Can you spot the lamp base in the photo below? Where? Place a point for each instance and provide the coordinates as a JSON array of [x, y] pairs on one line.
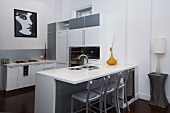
[[158, 66]]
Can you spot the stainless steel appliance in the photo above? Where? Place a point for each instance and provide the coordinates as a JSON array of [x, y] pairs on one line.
[[5, 60], [75, 52]]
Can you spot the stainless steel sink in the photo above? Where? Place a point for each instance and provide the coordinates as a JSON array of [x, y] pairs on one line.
[[74, 68], [84, 67], [90, 67]]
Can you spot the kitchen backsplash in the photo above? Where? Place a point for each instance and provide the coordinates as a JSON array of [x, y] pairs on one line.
[[26, 54]]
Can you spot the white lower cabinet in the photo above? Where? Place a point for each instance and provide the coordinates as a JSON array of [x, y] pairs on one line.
[[10, 78], [33, 70], [20, 76], [24, 76]]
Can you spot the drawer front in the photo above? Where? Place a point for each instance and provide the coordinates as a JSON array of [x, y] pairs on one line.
[[48, 66]]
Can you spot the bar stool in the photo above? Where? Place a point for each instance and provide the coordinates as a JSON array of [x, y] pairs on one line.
[[88, 96], [123, 76], [112, 85]]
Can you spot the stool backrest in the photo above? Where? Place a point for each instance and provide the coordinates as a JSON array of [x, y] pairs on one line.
[[96, 83], [116, 79], [123, 75]]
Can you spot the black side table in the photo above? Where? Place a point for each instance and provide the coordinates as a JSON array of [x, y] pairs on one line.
[[157, 91]]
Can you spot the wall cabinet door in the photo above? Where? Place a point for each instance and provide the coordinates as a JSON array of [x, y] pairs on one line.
[[62, 47], [76, 23], [92, 36], [11, 78], [23, 79], [33, 70], [76, 37], [51, 45], [84, 37]]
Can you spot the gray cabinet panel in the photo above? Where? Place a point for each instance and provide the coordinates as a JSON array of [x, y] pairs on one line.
[[51, 46], [51, 27], [92, 20], [76, 23]]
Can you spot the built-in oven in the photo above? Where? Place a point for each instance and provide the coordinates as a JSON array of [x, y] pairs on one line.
[[75, 52]]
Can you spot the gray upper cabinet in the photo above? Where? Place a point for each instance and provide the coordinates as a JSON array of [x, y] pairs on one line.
[[51, 46], [51, 41], [51, 27], [76, 23], [87, 21], [92, 20]]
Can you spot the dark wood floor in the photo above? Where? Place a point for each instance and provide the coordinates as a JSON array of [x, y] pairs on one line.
[[22, 101]]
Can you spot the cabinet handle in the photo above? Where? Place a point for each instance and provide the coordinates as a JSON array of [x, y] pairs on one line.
[[83, 37], [61, 63], [13, 66], [35, 64], [49, 63], [67, 48], [24, 65], [49, 68]]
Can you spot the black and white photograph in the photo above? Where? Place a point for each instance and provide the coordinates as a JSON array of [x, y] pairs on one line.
[[25, 23]]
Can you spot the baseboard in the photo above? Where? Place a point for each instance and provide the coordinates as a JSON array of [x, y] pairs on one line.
[[147, 97], [144, 96], [136, 96]]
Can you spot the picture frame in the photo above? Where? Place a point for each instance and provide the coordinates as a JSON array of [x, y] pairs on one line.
[[25, 23]]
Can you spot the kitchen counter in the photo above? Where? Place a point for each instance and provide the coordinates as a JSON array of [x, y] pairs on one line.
[[28, 63], [83, 75], [54, 87]]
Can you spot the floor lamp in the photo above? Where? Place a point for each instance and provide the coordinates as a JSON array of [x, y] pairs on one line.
[[159, 48]]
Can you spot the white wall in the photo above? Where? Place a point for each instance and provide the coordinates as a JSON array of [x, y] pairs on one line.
[[45, 10], [116, 11], [148, 19], [160, 29], [138, 41]]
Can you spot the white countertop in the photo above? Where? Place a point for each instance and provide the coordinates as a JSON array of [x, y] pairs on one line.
[[28, 63], [79, 76]]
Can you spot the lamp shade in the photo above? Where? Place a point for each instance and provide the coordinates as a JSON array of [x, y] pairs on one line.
[[159, 45]]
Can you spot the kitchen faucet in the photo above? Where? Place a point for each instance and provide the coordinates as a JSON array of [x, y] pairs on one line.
[[83, 55]]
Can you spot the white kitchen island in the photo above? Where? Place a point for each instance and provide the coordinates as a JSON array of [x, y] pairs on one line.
[[54, 87]]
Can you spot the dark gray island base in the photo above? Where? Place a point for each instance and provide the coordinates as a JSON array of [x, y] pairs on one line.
[[63, 96]]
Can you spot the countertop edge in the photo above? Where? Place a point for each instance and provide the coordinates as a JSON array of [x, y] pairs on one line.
[[28, 63]]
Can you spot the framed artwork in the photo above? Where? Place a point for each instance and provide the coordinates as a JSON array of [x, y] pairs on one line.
[[25, 23]]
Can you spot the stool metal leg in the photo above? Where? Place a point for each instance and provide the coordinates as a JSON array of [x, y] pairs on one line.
[[72, 104], [116, 102], [117, 98], [100, 104], [87, 107], [126, 99], [105, 107]]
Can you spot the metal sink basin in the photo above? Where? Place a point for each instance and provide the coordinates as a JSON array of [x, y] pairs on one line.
[[84, 67], [90, 67], [75, 68]]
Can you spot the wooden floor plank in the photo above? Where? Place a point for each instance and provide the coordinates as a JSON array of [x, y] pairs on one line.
[[22, 101]]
